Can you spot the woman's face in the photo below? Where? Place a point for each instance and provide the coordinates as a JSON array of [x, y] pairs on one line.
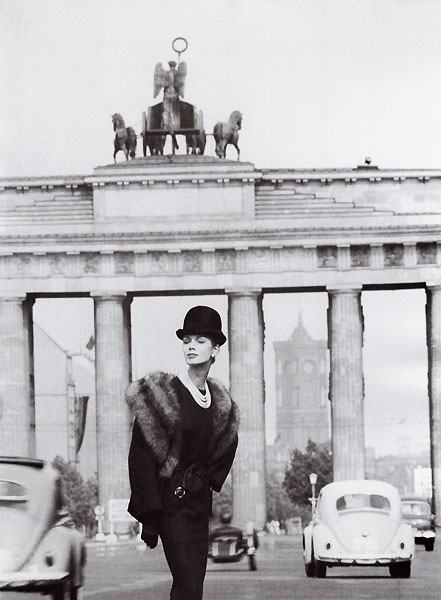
[[198, 349]]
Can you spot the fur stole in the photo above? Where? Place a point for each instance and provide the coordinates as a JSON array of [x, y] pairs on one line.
[[153, 401]]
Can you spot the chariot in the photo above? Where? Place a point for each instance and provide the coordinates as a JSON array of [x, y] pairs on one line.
[[190, 123]]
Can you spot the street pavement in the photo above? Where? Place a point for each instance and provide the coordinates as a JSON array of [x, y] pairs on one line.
[[130, 571]]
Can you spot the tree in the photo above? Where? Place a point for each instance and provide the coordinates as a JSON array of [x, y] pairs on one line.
[[278, 504], [81, 496], [315, 459], [223, 500]]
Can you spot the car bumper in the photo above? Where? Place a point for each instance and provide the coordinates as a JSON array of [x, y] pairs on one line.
[[366, 561], [23, 580], [424, 535]]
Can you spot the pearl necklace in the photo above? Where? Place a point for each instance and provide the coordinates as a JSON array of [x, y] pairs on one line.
[[204, 400]]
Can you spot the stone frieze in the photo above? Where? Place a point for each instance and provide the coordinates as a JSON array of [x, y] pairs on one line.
[[265, 261]]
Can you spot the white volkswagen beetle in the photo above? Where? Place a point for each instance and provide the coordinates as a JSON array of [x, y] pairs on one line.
[[38, 552], [358, 523]]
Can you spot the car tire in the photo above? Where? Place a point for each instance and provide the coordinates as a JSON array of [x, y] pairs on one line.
[[74, 593], [65, 591], [400, 570], [58, 592], [252, 565], [310, 567], [320, 569], [429, 544]]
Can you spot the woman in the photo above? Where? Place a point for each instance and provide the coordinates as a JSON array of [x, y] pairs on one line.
[[183, 444]]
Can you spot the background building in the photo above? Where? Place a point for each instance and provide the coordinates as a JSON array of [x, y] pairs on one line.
[[302, 407], [65, 412]]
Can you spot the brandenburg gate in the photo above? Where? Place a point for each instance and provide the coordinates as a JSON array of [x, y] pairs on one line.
[[196, 224]]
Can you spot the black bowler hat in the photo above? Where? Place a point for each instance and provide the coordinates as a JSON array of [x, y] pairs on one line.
[[203, 320]]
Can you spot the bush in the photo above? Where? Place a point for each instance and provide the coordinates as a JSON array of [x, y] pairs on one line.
[[80, 496]]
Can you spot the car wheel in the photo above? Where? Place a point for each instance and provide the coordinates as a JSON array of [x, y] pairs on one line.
[[320, 569], [58, 592], [252, 562], [74, 593], [310, 567], [64, 591], [429, 544], [400, 570]]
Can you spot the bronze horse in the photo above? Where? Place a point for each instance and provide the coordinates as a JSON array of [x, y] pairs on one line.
[[196, 142], [125, 138], [228, 133], [156, 144]]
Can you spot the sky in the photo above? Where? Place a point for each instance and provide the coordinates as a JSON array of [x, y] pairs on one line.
[[320, 83]]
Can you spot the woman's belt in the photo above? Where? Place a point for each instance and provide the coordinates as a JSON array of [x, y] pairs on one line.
[[188, 479]]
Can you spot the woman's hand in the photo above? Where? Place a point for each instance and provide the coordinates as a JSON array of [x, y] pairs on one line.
[[149, 535]]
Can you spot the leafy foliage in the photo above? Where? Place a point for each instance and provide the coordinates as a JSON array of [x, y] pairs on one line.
[[278, 504], [81, 496], [313, 460], [223, 500]]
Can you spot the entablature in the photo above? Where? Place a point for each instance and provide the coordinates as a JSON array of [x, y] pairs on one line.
[[218, 268]]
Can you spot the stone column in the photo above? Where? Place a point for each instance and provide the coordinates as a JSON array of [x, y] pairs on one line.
[[433, 324], [246, 334], [346, 385], [113, 374], [17, 406], [29, 357]]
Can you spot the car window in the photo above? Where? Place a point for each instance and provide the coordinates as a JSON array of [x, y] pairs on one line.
[[416, 508], [10, 491], [362, 501]]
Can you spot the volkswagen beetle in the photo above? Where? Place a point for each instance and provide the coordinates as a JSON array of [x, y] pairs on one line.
[[39, 552], [358, 523], [417, 513]]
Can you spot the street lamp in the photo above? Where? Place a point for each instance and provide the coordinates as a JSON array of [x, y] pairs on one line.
[[313, 481]]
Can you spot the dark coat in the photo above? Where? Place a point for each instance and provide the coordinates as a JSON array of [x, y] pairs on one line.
[[156, 438]]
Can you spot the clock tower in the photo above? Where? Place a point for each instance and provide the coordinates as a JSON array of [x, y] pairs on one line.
[[302, 410]]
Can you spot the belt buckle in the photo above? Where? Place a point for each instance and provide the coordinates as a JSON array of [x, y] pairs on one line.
[[179, 492]]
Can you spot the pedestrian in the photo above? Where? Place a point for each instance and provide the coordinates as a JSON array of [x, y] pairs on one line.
[[183, 444]]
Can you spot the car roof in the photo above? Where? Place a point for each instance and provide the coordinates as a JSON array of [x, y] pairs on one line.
[[358, 486], [19, 460], [415, 499]]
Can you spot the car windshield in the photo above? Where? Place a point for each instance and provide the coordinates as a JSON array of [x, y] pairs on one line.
[[362, 501], [416, 508]]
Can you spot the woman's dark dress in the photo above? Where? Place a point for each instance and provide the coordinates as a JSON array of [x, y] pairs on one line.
[[183, 524]]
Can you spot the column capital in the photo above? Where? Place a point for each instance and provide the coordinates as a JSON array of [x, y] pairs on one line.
[[344, 288], [12, 297], [433, 286], [108, 295], [243, 291]]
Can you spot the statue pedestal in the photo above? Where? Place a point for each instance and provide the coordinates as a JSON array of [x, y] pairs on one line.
[[173, 188]]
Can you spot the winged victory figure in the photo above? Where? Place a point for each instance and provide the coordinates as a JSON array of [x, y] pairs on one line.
[[173, 82]]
